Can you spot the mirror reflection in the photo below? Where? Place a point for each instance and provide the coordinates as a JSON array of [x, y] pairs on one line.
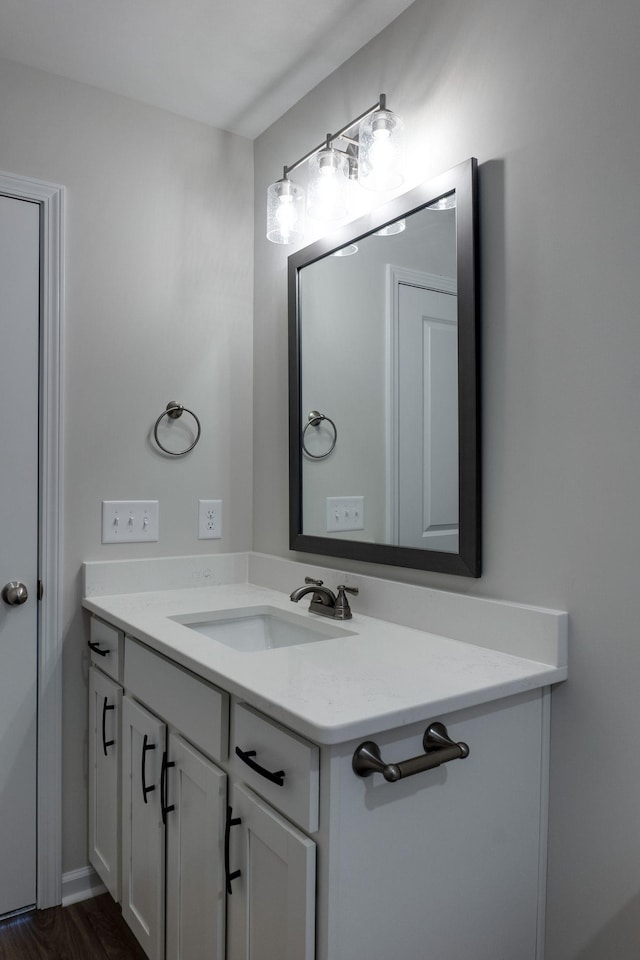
[[380, 386], [384, 389]]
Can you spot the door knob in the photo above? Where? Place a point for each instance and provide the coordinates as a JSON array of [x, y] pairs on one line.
[[14, 593]]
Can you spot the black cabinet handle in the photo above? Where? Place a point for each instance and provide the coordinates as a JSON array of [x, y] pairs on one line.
[[231, 822], [164, 808], [106, 743], [96, 649], [245, 756], [146, 746]]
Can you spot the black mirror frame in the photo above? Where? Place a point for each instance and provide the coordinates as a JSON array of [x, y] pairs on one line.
[[468, 561]]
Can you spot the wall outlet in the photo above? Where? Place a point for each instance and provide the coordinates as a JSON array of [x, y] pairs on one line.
[[345, 513], [130, 521], [209, 519]]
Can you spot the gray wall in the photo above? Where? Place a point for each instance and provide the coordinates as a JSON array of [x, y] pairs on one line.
[[158, 307], [545, 95]]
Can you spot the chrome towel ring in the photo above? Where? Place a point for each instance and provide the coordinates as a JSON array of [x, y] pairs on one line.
[[174, 410], [314, 419]]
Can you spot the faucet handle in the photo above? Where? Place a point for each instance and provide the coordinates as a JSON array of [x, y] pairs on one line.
[[316, 583], [342, 610]]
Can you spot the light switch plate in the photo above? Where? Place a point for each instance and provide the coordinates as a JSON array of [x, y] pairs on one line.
[[345, 513], [132, 521]]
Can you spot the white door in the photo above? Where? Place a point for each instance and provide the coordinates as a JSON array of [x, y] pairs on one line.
[[19, 333], [195, 802], [271, 907], [143, 835], [105, 708], [427, 419]]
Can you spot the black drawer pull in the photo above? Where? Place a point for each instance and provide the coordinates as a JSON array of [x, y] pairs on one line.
[[245, 756], [164, 808], [106, 743], [231, 822], [96, 649], [438, 748], [145, 789]]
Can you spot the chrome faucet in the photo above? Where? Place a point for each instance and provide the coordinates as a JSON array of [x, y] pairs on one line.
[[324, 601]]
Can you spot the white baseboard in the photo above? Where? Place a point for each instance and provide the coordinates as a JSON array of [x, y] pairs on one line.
[[81, 885]]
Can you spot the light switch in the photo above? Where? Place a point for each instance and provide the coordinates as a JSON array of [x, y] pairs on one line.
[[345, 513], [132, 521]]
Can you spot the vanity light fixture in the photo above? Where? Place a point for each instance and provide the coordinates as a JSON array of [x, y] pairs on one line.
[[371, 153]]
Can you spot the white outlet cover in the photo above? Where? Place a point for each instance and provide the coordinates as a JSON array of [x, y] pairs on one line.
[[345, 513], [130, 521], [209, 519]]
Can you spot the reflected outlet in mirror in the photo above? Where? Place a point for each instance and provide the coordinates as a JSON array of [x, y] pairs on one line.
[[251, 629]]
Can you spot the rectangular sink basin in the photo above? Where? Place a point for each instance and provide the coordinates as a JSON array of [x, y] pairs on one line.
[[250, 629]]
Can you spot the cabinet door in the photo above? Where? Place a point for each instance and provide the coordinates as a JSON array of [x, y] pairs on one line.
[[195, 800], [143, 743], [271, 909], [105, 706]]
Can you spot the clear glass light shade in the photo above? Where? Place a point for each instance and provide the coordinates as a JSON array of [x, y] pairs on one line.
[[381, 151], [327, 185], [392, 229], [285, 212]]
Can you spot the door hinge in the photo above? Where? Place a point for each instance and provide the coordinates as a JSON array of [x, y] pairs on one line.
[[40, 589]]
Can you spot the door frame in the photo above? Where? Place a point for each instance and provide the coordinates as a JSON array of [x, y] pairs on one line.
[[50, 198]]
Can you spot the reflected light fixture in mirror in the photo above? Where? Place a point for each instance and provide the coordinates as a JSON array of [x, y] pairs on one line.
[[392, 229], [371, 152]]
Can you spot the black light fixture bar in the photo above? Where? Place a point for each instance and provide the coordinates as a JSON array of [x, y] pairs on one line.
[[380, 105]]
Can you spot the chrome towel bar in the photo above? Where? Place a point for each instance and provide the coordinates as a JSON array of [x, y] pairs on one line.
[[438, 748]]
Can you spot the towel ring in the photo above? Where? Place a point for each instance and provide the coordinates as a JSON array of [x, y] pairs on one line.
[[174, 410], [314, 419]]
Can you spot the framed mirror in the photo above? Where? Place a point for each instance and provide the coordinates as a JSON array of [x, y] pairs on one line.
[[384, 406]]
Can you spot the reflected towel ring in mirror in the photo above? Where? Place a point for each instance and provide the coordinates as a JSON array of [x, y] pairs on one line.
[[314, 419], [174, 411]]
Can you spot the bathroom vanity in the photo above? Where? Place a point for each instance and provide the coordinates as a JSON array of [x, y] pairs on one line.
[[225, 813]]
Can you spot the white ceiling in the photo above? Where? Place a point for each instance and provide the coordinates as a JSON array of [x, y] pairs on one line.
[[237, 65]]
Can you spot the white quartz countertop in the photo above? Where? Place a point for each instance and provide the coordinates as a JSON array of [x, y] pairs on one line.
[[334, 690]]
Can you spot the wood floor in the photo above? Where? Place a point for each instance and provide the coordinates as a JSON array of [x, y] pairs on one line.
[[90, 930]]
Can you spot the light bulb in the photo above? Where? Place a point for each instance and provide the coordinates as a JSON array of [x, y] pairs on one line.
[[380, 151], [328, 179], [285, 212]]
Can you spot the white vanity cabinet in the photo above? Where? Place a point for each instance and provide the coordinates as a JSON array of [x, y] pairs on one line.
[[173, 827], [105, 706], [242, 839], [143, 835], [173, 809], [446, 864], [272, 863], [106, 644], [271, 907]]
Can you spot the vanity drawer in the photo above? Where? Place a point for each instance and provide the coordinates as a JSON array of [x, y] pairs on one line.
[[196, 708], [107, 646], [277, 750]]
